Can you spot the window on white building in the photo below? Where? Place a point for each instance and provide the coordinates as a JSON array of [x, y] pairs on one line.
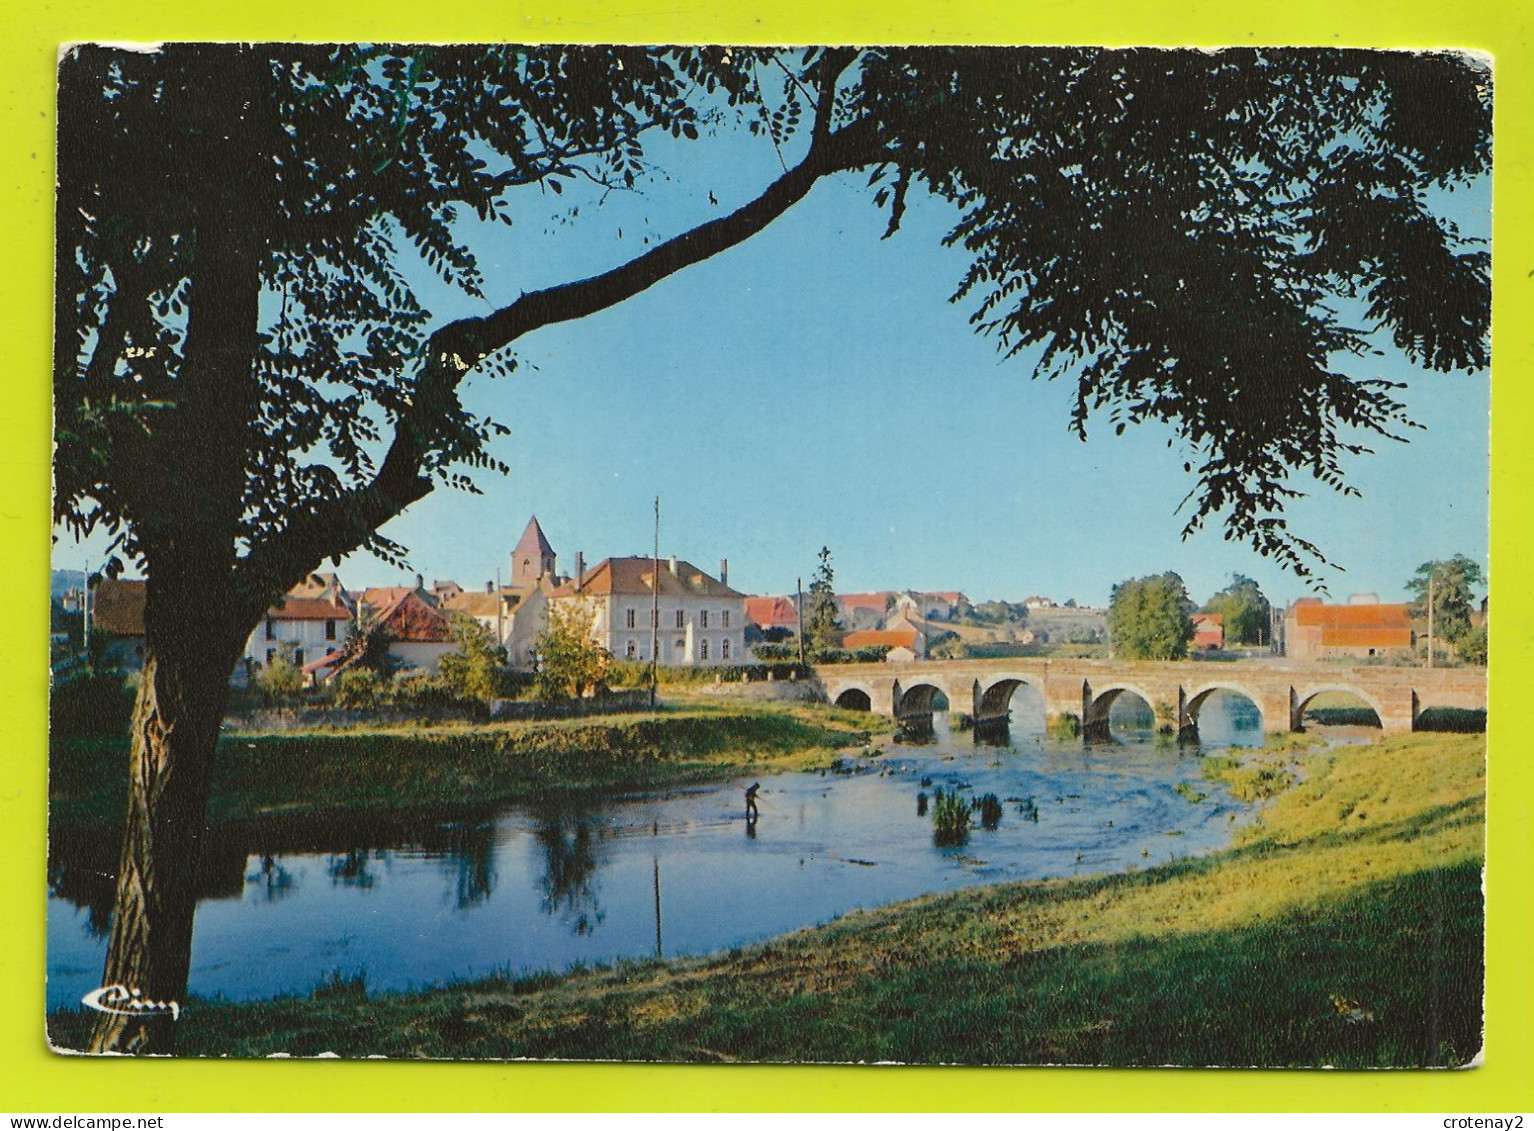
[[703, 649], [724, 647], [703, 619], [633, 649], [681, 619], [726, 615], [330, 630], [271, 629], [632, 617]]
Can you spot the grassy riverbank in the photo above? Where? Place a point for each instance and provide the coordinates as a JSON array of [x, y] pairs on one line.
[[390, 769], [1344, 928]]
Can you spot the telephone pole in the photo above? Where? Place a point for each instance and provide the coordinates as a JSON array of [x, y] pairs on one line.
[[85, 608], [655, 610], [1431, 578]]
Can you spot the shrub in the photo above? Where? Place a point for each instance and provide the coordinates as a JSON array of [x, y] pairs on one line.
[[990, 810], [357, 688], [420, 692], [474, 671], [570, 660], [950, 818], [281, 680]]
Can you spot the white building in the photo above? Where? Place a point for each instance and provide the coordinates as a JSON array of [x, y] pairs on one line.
[[312, 626], [701, 619]]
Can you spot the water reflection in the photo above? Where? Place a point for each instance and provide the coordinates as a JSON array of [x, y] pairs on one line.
[[471, 854], [417, 899], [271, 879], [350, 869], [570, 866]]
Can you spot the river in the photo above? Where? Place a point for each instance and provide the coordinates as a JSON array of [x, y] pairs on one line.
[[285, 906]]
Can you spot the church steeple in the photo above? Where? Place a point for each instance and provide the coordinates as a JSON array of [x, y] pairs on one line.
[[532, 558]]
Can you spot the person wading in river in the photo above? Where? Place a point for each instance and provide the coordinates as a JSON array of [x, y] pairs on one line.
[[751, 810]]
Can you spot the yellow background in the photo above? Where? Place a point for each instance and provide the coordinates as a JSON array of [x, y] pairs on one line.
[[32, 1079]]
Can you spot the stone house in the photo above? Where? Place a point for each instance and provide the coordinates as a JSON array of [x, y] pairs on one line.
[[701, 619]]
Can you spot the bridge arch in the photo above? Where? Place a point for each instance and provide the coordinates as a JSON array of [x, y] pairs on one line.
[[854, 697], [1197, 699], [920, 698], [1301, 700], [1193, 703], [995, 698], [1095, 724]]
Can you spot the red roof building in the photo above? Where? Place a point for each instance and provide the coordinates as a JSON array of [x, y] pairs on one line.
[[892, 638], [772, 612], [1313, 630], [1208, 630]]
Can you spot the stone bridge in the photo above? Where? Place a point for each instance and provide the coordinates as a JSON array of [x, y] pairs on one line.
[[1086, 689]]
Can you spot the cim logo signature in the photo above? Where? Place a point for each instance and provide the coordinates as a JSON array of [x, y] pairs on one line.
[[119, 999]]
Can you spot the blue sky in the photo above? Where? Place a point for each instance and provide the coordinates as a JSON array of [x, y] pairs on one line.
[[815, 387]]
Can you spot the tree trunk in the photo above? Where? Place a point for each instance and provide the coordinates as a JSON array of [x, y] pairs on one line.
[[181, 700]]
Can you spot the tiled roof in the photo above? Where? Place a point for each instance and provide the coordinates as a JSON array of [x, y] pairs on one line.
[[951, 598], [380, 597], [474, 603], [532, 542], [878, 602], [1208, 618], [412, 620], [309, 608], [316, 584], [895, 639], [630, 577], [118, 607], [1366, 637], [771, 612], [1351, 616]]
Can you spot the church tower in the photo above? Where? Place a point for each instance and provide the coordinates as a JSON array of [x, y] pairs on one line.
[[532, 558]]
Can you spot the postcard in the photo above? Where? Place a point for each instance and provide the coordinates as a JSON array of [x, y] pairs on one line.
[[901, 555]]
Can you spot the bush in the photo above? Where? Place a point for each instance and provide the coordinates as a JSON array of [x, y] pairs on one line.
[[474, 671], [357, 688], [950, 818], [776, 653], [635, 674], [990, 810], [92, 702], [420, 692], [281, 680]]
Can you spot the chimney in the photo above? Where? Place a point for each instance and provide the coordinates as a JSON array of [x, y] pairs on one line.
[[489, 587], [420, 582], [724, 571], [673, 565], [580, 569]]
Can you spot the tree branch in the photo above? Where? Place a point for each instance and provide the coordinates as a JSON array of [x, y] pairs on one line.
[[337, 526]]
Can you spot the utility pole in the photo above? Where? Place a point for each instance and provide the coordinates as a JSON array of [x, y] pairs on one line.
[[1431, 578], [85, 608], [799, 609], [655, 610]]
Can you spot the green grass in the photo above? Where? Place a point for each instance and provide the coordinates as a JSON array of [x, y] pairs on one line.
[[1343, 929], [1249, 777], [401, 768]]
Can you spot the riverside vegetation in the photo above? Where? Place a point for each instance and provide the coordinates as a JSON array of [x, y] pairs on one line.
[[388, 769], [1344, 927]]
